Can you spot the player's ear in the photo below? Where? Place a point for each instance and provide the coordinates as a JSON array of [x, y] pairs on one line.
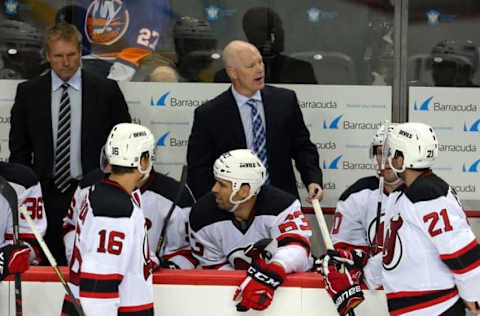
[[231, 72]]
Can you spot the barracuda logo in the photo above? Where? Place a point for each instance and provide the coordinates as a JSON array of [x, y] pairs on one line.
[[473, 167], [472, 128], [333, 164], [161, 140], [160, 101], [333, 124], [424, 106], [172, 141]]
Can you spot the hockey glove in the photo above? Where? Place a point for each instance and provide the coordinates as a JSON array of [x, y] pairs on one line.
[[344, 289], [257, 289], [167, 264], [242, 258], [14, 259]]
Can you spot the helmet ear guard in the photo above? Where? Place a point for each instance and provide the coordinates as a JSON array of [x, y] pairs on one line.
[[418, 144], [241, 166]]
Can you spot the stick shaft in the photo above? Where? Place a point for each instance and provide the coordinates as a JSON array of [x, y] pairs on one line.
[[322, 224], [52, 260]]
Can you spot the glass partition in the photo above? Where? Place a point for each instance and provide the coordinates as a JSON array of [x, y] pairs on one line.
[[339, 42]]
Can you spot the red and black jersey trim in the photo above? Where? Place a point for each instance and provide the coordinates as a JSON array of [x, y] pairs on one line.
[[99, 285], [67, 228], [140, 310], [215, 266], [186, 253], [404, 302], [294, 239], [68, 309], [463, 260]]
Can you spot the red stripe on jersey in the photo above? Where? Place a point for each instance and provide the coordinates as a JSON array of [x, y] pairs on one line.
[[99, 295], [460, 252], [126, 309], [463, 260], [349, 247], [408, 300], [115, 276], [67, 228], [294, 239], [186, 253], [20, 236], [181, 252], [215, 266]]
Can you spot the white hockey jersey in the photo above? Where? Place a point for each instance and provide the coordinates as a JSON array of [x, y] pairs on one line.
[[111, 264], [215, 234], [355, 215], [430, 255], [155, 197], [29, 193]]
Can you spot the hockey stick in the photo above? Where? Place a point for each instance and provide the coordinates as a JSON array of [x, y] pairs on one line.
[[11, 196], [51, 259], [381, 182], [322, 224], [183, 180]]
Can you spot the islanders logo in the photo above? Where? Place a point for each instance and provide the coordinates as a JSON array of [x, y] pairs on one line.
[[106, 21]]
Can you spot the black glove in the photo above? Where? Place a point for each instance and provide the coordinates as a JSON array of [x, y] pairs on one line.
[[242, 258]]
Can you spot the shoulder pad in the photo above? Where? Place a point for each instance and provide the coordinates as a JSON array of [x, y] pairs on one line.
[[107, 199], [367, 183], [206, 212], [426, 188], [272, 201], [168, 188], [19, 174], [91, 178]]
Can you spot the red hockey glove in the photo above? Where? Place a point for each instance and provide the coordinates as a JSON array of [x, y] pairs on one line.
[[341, 285], [257, 290], [14, 259], [242, 258]]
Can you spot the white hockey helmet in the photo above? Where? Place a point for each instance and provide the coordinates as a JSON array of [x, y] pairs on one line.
[[241, 166], [379, 138], [126, 144], [417, 142]]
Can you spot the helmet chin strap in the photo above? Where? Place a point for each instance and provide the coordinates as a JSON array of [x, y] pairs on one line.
[[397, 171], [394, 182], [236, 204], [146, 172]]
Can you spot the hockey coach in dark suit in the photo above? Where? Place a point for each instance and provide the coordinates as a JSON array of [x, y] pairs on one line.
[[59, 123], [251, 115]]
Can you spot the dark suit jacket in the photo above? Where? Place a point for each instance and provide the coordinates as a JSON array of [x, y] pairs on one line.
[[217, 128], [280, 69], [31, 138]]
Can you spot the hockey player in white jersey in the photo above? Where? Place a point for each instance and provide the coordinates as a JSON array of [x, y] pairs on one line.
[[29, 193], [229, 224], [111, 263], [155, 195], [355, 216], [430, 263]]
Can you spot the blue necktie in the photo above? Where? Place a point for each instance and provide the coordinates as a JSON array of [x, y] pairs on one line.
[[259, 140]]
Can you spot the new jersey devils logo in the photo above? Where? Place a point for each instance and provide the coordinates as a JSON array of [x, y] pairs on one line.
[[148, 263], [392, 246], [106, 21]]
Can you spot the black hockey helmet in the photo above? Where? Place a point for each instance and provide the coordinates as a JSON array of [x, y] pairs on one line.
[[21, 48], [454, 62], [191, 34]]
